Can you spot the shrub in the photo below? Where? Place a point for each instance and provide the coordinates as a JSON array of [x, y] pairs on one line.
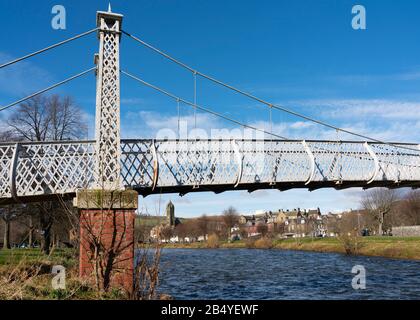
[[250, 243], [351, 243], [213, 241], [263, 243]]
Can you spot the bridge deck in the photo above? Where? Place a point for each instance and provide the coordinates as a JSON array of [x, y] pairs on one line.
[[32, 171]]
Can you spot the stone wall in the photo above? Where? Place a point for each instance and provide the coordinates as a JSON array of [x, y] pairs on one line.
[[408, 231]]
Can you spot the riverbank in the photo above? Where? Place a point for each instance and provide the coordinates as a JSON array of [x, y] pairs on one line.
[[25, 274], [389, 247]]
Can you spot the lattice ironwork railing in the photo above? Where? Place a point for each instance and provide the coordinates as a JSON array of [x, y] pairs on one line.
[[31, 169]]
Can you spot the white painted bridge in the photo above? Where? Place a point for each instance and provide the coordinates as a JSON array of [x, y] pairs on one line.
[[31, 171]]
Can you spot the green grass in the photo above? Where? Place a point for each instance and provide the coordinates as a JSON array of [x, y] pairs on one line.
[[149, 221], [13, 256]]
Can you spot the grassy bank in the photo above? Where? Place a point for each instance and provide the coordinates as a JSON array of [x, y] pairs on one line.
[[26, 274], [389, 247]]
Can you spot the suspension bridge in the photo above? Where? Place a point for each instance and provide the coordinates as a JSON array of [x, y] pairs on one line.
[[32, 171]]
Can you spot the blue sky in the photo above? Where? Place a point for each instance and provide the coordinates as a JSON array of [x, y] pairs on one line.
[[302, 54]]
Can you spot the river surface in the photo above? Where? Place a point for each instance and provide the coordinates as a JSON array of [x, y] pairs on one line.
[[280, 274]]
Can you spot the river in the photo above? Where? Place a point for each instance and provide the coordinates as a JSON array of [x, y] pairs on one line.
[[281, 274]]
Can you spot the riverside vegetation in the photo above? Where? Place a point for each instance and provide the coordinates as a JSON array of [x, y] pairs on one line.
[[25, 274], [389, 247]]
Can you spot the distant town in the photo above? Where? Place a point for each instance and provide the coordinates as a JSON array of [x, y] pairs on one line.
[[400, 219]]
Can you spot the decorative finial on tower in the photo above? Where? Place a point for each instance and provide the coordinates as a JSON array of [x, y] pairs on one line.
[[109, 7]]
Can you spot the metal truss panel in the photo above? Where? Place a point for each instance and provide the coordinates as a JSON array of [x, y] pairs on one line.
[[153, 166]]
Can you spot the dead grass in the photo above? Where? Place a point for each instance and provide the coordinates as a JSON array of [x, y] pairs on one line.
[[146, 275], [213, 241], [263, 243], [31, 280], [26, 275]]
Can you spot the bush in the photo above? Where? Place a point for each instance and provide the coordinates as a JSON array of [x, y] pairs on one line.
[[263, 243], [213, 241], [351, 243], [250, 243]]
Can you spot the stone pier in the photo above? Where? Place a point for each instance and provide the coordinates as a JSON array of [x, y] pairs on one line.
[[107, 236]]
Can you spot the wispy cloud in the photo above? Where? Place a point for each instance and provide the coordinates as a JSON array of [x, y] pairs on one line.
[[133, 101], [362, 108], [408, 75], [396, 120], [22, 78]]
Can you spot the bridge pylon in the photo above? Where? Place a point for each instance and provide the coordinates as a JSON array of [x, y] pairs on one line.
[[107, 211]]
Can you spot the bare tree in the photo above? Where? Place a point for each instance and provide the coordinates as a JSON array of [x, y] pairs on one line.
[[166, 233], [379, 202], [203, 225], [8, 214], [230, 218], [7, 135], [44, 118], [181, 231], [262, 229], [412, 207]]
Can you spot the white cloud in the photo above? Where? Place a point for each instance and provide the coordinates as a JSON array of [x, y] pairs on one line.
[[301, 125], [361, 108], [388, 120], [132, 101], [408, 75], [147, 124]]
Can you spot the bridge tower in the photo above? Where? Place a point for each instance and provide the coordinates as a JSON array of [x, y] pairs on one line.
[[107, 212]]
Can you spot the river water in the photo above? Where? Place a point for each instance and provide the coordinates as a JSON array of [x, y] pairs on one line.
[[279, 274]]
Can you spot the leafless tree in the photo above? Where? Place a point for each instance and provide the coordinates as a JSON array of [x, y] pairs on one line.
[[311, 226], [412, 207], [181, 231], [279, 228], [243, 231], [262, 229], [44, 118], [378, 202], [203, 225], [230, 218], [7, 135], [8, 214], [166, 233]]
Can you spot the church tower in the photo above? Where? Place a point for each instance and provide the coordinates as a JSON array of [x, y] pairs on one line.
[[170, 214]]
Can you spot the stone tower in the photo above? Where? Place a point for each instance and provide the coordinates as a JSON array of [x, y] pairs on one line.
[[170, 214]]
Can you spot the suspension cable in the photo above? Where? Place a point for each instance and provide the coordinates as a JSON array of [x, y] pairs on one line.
[[47, 48], [195, 99], [191, 104], [270, 105], [47, 89], [177, 107]]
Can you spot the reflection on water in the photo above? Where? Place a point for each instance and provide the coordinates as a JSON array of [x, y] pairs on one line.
[[279, 274]]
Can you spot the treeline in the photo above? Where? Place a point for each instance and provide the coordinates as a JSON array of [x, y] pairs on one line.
[[381, 209], [41, 118], [43, 224], [194, 228]]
